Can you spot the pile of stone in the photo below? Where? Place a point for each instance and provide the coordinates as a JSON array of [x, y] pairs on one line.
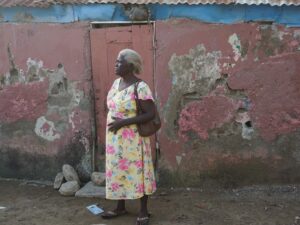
[[68, 184]]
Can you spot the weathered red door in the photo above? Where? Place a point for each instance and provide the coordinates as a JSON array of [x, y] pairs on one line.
[[105, 46]]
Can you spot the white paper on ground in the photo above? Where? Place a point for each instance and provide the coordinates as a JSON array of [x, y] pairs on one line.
[[95, 209]]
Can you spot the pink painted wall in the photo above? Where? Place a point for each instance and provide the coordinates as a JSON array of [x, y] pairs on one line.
[[228, 96], [45, 103], [230, 99]]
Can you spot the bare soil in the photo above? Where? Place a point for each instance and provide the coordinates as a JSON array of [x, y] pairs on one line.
[[29, 203]]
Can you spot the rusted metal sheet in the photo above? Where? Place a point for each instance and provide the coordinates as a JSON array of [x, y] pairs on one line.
[[106, 44], [43, 3], [229, 98]]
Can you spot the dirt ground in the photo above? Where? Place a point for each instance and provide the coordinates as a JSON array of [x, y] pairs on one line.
[[29, 203]]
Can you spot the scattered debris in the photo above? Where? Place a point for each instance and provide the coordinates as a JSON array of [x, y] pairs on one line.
[[36, 183], [200, 205], [98, 178], [297, 220], [181, 218], [95, 209], [59, 179], [163, 193]]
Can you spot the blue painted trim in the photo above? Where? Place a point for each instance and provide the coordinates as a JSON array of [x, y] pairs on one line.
[[56, 14], [224, 14], [94, 12], [217, 13]]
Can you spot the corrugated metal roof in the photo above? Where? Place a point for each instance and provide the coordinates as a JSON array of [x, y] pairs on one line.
[[47, 3], [270, 2], [27, 3]]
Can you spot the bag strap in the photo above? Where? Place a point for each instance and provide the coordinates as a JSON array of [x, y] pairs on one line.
[[136, 97], [138, 109]]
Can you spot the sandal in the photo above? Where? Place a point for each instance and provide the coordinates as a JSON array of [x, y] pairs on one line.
[[142, 220], [113, 214]]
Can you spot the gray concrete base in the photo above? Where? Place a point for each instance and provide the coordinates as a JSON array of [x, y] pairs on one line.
[[91, 190]]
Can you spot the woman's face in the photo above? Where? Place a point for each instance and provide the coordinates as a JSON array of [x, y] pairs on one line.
[[122, 67]]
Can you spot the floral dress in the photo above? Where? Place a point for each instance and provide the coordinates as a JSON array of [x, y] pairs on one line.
[[129, 167]]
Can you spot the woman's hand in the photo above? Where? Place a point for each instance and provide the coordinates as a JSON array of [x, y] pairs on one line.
[[148, 109], [116, 125]]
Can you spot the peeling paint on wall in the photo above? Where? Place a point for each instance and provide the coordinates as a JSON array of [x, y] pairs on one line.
[[178, 159], [297, 34], [274, 96], [71, 117], [202, 116], [235, 43], [45, 118], [269, 42], [239, 124], [247, 129], [193, 76], [46, 129], [63, 97]]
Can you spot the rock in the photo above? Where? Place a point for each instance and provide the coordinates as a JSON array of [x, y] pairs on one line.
[[137, 12], [69, 188], [297, 220], [163, 193], [98, 178], [84, 168], [70, 173], [91, 190], [58, 180]]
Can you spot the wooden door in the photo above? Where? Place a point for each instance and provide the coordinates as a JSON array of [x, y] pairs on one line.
[[105, 46]]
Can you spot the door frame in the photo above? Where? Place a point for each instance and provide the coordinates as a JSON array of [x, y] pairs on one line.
[[108, 24]]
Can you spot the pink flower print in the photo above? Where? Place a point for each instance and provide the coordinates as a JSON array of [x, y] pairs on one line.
[[153, 185], [108, 173], [132, 96], [127, 133], [140, 141], [111, 105], [147, 97], [123, 164], [140, 188], [110, 149], [123, 161], [115, 186], [123, 167], [149, 174], [139, 164], [119, 115]]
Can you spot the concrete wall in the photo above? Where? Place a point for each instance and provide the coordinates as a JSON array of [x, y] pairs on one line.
[[45, 104], [230, 98], [228, 93]]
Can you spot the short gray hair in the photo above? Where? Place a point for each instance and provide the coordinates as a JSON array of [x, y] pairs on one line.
[[134, 58]]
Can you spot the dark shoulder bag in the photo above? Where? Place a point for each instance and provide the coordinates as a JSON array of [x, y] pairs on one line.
[[149, 128]]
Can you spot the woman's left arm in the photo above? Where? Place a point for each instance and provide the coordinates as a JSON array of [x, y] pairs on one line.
[[148, 109]]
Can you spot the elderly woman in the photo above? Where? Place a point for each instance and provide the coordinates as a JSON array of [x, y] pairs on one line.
[[129, 168]]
